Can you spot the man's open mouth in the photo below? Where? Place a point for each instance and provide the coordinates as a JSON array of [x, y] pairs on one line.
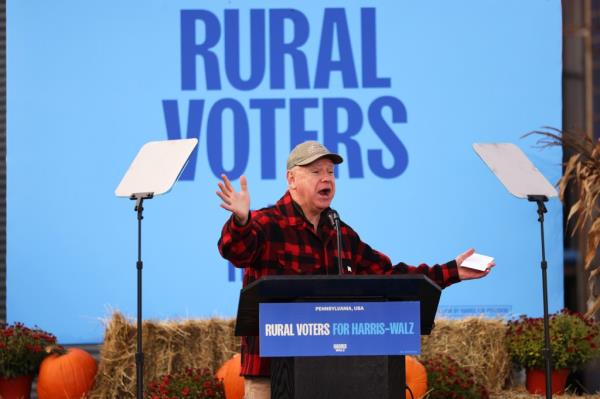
[[325, 192]]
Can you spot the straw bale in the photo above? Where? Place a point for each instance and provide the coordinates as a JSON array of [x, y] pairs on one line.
[[522, 394], [477, 344], [168, 347]]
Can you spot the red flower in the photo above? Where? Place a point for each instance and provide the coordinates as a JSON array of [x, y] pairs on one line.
[[25, 348], [186, 384]]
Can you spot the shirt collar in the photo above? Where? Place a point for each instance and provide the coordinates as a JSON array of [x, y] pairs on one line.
[[293, 211]]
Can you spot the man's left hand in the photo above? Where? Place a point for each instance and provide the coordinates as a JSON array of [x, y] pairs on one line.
[[466, 273]]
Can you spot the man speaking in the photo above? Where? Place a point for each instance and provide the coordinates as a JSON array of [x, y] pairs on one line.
[[296, 236]]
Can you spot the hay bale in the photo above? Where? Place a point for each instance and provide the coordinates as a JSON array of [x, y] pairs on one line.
[[168, 346], [477, 344], [522, 394]]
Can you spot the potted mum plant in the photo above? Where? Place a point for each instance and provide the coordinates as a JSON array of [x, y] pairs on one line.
[[21, 352], [190, 383], [574, 340], [448, 380]]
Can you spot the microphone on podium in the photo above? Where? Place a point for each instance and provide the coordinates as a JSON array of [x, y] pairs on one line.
[[334, 218]]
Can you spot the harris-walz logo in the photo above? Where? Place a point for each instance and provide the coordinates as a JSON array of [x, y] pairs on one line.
[[340, 347]]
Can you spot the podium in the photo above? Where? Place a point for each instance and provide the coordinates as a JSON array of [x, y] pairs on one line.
[[332, 377]]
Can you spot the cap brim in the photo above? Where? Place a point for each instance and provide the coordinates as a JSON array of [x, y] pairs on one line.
[[335, 158]]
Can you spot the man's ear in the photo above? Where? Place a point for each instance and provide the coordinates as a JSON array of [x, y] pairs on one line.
[[291, 179]]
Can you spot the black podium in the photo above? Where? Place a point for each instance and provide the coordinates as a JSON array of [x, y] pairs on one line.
[[348, 377]]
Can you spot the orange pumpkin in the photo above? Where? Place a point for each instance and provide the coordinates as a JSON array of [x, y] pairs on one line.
[[230, 374], [66, 376], [416, 377]]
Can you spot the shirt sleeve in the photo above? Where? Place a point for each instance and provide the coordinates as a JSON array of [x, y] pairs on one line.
[[241, 244], [443, 275], [371, 261]]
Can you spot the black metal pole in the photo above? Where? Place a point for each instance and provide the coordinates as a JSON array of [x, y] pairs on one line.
[[139, 356], [547, 352]]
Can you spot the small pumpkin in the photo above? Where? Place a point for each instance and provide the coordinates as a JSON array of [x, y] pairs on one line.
[[416, 377], [66, 374], [229, 372]]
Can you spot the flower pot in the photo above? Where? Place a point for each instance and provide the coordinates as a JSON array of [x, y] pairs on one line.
[[536, 381], [16, 388]]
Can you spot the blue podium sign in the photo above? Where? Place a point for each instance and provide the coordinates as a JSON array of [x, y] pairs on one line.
[[339, 329]]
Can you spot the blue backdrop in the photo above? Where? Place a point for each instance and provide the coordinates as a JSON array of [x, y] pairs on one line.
[[401, 89]]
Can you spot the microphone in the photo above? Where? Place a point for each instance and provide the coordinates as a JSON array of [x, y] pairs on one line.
[[334, 219]]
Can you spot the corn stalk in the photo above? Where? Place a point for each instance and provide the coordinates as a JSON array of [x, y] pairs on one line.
[[582, 174]]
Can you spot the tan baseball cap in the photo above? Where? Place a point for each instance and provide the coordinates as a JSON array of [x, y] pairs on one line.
[[308, 152]]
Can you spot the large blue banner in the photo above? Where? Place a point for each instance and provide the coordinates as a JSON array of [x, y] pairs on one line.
[[401, 89]]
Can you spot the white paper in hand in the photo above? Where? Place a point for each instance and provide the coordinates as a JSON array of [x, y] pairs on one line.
[[477, 262]]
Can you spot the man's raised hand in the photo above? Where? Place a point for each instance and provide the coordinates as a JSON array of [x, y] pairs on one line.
[[235, 202]]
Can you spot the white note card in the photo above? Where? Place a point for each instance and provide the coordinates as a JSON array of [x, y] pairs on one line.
[[477, 262]]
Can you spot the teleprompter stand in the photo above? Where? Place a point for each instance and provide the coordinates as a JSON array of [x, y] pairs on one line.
[[336, 377], [139, 355], [154, 170], [523, 180]]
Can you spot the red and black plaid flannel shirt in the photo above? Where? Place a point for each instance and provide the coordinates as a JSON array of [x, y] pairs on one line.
[[280, 240]]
